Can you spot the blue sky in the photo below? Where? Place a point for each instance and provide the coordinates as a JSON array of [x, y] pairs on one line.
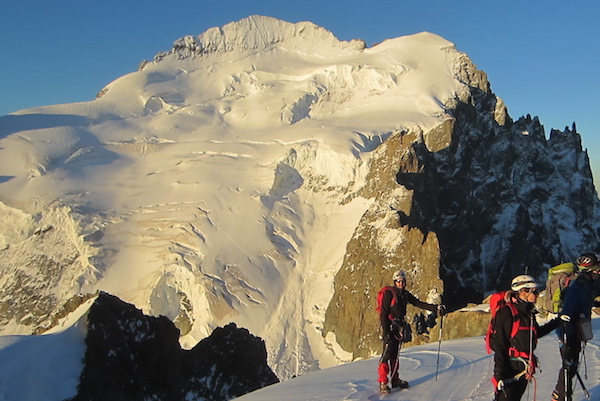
[[541, 57]]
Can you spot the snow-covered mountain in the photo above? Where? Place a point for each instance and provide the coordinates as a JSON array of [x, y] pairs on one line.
[[268, 174]]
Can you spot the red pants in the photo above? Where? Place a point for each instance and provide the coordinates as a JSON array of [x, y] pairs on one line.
[[389, 360], [385, 368]]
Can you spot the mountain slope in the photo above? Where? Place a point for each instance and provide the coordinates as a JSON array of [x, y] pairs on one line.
[[464, 372], [269, 174]]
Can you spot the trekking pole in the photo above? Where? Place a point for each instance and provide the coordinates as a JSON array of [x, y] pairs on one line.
[[437, 364], [584, 361], [585, 392], [565, 367]]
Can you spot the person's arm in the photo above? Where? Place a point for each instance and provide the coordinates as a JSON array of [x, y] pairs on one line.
[[420, 304], [548, 327], [386, 306], [571, 306], [500, 342]]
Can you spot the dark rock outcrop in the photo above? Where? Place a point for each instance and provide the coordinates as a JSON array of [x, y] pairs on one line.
[[131, 356]]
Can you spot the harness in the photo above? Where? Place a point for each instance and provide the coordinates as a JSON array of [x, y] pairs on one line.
[[527, 358]]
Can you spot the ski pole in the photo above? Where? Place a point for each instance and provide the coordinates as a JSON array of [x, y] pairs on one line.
[[587, 394], [437, 364], [584, 361], [565, 356]]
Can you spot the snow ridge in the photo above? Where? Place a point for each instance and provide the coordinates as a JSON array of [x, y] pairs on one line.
[[261, 33]]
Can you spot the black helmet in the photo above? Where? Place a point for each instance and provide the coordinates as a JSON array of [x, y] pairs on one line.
[[587, 261]]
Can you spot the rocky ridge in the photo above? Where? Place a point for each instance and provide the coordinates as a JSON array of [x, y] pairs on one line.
[[130, 356], [497, 199]]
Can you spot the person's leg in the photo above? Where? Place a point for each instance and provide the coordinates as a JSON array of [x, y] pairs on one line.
[[383, 372], [572, 356], [570, 360], [395, 375], [388, 360], [512, 391]]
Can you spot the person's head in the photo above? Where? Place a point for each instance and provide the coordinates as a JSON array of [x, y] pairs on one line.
[[399, 278], [588, 263], [525, 287]]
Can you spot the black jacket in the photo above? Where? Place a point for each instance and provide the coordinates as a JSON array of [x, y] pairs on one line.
[[397, 311], [525, 339]]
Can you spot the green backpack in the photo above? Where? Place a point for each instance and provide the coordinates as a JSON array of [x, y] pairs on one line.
[[559, 278]]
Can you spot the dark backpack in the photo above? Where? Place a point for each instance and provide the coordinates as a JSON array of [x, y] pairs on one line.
[[497, 301]]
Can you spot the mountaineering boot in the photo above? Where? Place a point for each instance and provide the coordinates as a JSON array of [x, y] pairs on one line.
[[399, 383], [383, 388]]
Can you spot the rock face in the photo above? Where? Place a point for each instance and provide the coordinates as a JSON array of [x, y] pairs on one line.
[[384, 242], [45, 259], [131, 356], [463, 219]]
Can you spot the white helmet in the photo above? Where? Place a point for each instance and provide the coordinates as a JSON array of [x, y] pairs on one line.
[[523, 281], [399, 275]]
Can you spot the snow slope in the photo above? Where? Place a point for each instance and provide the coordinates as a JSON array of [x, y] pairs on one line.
[[215, 184], [45, 367], [464, 374], [51, 372]]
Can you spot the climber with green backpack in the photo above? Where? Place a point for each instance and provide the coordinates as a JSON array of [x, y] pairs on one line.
[[576, 328]]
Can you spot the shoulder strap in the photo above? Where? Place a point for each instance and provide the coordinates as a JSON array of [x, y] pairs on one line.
[[381, 294], [516, 322], [394, 291]]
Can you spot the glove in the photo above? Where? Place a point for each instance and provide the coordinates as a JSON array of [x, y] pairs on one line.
[[565, 318], [441, 309], [500, 385]]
